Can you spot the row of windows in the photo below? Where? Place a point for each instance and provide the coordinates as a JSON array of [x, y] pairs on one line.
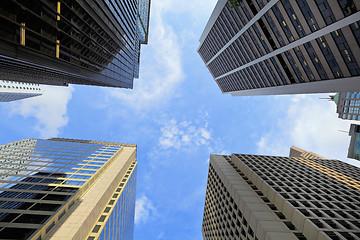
[[25, 88], [24, 83], [353, 95], [350, 117], [269, 71], [355, 103]]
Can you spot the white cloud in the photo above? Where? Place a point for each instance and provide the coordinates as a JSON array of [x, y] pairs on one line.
[[161, 67], [178, 135], [310, 124], [144, 210], [50, 109], [161, 71]]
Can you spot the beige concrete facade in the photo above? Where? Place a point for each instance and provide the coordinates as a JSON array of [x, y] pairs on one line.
[[80, 221], [298, 152], [266, 197]]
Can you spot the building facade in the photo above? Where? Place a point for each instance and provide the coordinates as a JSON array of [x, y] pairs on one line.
[[281, 198], [62, 42], [12, 91], [298, 152], [347, 105], [354, 146], [283, 47], [143, 20], [67, 189]]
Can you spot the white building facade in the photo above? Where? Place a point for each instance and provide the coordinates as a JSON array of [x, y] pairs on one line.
[[12, 91]]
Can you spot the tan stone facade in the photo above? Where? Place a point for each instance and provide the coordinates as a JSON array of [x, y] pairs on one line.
[[298, 152], [266, 197], [81, 220]]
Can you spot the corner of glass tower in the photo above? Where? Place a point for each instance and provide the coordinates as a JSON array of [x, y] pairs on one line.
[[68, 189]]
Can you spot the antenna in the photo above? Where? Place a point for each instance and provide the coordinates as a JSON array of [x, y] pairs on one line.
[[343, 131], [330, 98]]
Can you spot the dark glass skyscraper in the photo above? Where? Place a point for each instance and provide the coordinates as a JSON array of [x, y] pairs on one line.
[[283, 47], [81, 42], [67, 189]]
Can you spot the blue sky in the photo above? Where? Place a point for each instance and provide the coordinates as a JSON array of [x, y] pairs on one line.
[[177, 116]]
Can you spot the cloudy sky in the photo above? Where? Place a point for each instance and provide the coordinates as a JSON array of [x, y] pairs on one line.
[[177, 116]]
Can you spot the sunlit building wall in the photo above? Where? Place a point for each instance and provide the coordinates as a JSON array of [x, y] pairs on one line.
[[61, 42], [283, 47], [12, 91], [270, 197], [298, 152], [67, 189]]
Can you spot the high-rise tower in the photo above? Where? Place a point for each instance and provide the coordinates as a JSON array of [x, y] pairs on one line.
[[12, 91], [347, 105], [81, 42], [281, 198], [283, 47], [67, 189], [354, 146]]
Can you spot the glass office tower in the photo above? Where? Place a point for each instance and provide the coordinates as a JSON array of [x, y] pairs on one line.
[[267, 47], [61, 42], [67, 189], [281, 198], [143, 20]]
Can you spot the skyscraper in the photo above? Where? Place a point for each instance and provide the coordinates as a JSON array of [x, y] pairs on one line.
[[80, 42], [12, 91], [268, 197], [283, 47], [347, 105], [354, 146], [67, 189]]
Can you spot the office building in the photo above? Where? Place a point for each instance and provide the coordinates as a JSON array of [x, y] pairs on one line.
[[12, 91], [347, 105], [298, 152], [281, 198], [79, 42], [143, 20], [283, 47], [354, 146], [67, 189]]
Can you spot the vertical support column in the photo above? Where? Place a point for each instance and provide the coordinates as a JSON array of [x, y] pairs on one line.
[[58, 10], [22, 33], [57, 48]]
